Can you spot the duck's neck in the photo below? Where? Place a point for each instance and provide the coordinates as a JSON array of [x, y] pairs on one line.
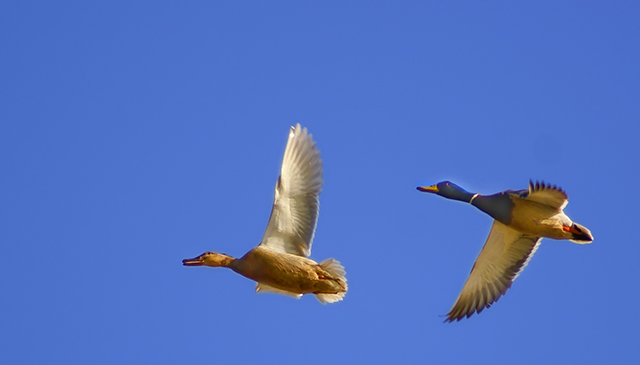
[[498, 206], [461, 195], [226, 260]]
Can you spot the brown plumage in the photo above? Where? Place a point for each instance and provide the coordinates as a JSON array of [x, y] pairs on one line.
[[280, 264]]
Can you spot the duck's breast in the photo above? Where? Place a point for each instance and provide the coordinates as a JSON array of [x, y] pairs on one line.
[[280, 270]]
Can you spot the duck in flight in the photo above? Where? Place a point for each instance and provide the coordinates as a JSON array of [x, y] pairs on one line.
[[280, 263], [521, 219]]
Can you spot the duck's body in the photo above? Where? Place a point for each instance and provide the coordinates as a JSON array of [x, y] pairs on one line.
[[538, 214], [521, 219], [280, 264], [290, 273]]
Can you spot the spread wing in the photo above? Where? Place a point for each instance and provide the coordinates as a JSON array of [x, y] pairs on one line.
[[295, 208], [503, 257], [542, 193]]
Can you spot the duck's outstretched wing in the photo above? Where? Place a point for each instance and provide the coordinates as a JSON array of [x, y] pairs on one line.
[[546, 194], [295, 208], [503, 257]]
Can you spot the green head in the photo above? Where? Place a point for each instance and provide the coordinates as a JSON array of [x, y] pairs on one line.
[[448, 190]]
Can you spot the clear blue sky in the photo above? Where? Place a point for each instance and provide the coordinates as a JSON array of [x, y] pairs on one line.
[[136, 134]]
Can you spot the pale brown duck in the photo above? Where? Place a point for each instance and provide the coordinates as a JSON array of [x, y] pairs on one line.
[[279, 264]]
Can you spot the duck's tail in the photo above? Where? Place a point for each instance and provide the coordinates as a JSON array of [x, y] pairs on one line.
[[580, 234], [337, 272]]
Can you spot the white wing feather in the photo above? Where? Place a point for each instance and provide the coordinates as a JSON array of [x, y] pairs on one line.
[[502, 259], [295, 208]]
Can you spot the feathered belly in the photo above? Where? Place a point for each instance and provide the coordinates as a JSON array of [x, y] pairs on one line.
[[287, 272], [542, 227]]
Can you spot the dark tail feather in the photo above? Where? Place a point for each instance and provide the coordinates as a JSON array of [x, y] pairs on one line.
[[580, 234]]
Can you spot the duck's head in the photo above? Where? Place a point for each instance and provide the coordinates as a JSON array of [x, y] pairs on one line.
[[209, 259], [448, 190]]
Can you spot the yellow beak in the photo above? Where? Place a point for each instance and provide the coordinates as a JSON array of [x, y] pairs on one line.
[[429, 189]]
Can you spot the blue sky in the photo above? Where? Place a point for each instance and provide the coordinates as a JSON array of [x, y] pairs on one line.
[[135, 135]]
